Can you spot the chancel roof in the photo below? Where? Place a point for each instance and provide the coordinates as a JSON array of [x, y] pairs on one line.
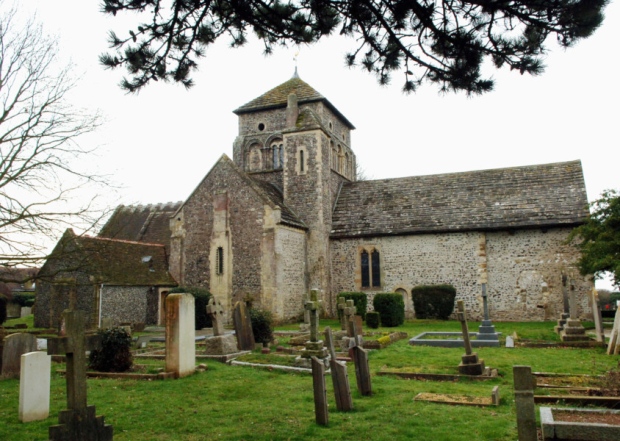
[[533, 196], [141, 223], [278, 97]]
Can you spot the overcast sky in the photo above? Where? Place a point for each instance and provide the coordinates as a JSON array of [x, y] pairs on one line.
[[159, 144]]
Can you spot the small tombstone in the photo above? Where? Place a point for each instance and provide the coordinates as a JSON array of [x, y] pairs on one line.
[[25, 311], [314, 347], [180, 334], [524, 400], [340, 376], [362, 368], [470, 364], [342, 303], [79, 421], [349, 312], [220, 343], [243, 327], [15, 345], [34, 386], [216, 312], [320, 392], [510, 343]]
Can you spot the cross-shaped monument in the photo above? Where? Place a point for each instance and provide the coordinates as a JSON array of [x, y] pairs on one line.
[[573, 329], [348, 312], [470, 365], [343, 320], [486, 330], [215, 310], [314, 347], [78, 422]]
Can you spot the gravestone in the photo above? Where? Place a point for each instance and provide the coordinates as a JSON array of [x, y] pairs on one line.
[[305, 326], [613, 346], [349, 313], [524, 401], [340, 376], [220, 343], [359, 355], [565, 313], [15, 345], [470, 364], [320, 392], [314, 347], [573, 329], [243, 327], [79, 421], [342, 303], [597, 315], [34, 386], [486, 330], [180, 334]]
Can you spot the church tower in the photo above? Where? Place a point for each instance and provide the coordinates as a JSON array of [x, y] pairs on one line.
[[294, 138]]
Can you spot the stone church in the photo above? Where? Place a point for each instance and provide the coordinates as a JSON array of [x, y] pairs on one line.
[[286, 214]]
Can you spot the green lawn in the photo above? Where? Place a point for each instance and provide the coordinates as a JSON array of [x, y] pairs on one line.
[[240, 403]]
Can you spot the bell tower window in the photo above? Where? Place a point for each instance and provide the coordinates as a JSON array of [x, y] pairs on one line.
[[277, 152]]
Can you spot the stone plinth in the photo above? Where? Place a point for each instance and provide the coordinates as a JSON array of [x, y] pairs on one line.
[[221, 345], [486, 331], [561, 322], [471, 365], [34, 386], [180, 334], [314, 349], [573, 331]]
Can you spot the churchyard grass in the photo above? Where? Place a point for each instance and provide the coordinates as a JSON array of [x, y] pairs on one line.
[[241, 403]]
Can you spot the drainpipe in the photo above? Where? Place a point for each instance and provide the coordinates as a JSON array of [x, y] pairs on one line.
[[100, 302]]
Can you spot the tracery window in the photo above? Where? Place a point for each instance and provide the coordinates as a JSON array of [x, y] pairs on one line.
[[370, 268]]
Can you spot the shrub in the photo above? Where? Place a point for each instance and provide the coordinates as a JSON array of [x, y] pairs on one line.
[[359, 300], [3, 303], [372, 319], [433, 301], [261, 325], [115, 352], [391, 308], [23, 299], [201, 297]]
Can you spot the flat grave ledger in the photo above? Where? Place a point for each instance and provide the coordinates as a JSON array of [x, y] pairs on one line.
[[450, 340]]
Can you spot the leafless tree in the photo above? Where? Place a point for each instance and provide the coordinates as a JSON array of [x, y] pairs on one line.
[[42, 190]]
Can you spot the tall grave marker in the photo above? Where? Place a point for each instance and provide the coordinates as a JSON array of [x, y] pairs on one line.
[[573, 329], [340, 376], [220, 343], [79, 421], [470, 364], [314, 347], [180, 334], [360, 357], [34, 386], [243, 327]]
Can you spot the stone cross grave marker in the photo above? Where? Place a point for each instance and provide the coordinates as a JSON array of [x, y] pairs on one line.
[[360, 358], [524, 401], [78, 422], [470, 365], [340, 376], [349, 312], [15, 345], [243, 327], [34, 386], [320, 392], [180, 334], [216, 312], [342, 303], [573, 329], [314, 347]]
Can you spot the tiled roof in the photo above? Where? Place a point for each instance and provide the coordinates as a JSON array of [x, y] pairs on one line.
[[278, 97], [288, 217], [113, 261], [520, 197], [141, 223]]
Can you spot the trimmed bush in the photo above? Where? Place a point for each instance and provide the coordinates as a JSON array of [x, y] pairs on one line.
[[372, 319], [3, 302], [23, 299], [391, 308], [262, 325], [201, 297], [115, 352], [433, 301], [360, 300]]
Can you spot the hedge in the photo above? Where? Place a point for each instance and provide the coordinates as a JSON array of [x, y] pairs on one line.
[[201, 296], [261, 325], [115, 352], [360, 300], [3, 303], [372, 319], [433, 301], [391, 308]]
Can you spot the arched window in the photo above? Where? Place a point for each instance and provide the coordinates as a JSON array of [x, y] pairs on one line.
[[340, 160], [370, 269], [365, 267], [277, 152], [301, 161], [219, 261], [376, 269]]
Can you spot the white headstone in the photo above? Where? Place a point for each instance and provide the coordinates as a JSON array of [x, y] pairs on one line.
[[34, 386], [180, 334], [510, 343]]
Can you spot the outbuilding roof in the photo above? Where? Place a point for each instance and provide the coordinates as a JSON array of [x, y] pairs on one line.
[[543, 196]]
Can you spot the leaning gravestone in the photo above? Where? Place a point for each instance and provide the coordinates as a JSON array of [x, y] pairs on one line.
[[360, 358], [220, 343], [320, 392], [243, 327], [180, 334], [15, 345], [79, 421], [34, 386], [340, 376], [470, 364]]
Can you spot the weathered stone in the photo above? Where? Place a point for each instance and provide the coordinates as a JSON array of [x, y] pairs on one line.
[[243, 327], [221, 345], [34, 386], [216, 312], [180, 334], [524, 400], [15, 345], [320, 392]]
